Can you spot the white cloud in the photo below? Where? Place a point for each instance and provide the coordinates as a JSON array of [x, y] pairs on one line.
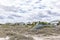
[[29, 10]]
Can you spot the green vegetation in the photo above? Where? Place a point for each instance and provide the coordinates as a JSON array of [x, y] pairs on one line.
[[28, 25], [44, 23], [37, 23]]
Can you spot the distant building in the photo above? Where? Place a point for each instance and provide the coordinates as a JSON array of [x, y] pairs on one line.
[[55, 22]]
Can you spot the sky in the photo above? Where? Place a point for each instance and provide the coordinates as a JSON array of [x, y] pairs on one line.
[[29, 10]]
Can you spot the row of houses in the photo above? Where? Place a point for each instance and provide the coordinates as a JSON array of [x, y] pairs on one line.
[[55, 22]]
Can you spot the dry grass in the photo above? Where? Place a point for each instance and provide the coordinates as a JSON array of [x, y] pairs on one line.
[[15, 31], [20, 37]]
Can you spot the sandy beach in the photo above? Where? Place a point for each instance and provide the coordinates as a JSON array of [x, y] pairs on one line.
[[36, 37], [45, 37], [6, 38]]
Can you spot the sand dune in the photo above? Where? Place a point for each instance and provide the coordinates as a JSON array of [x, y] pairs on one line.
[[45, 37], [6, 38]]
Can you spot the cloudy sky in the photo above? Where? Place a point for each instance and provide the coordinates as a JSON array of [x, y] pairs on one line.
[[29, 10]]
